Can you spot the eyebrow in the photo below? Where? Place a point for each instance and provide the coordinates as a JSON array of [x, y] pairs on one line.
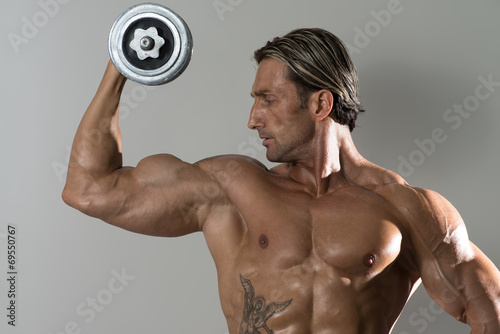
[[260, 92]]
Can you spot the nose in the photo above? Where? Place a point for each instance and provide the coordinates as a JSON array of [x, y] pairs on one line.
[[256, 120]]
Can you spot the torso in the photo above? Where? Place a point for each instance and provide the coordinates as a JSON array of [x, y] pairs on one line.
[[289, 262]]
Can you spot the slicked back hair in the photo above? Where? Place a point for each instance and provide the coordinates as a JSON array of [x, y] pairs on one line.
[[317, 60]]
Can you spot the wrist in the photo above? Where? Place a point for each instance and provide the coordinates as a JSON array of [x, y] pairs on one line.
[[112, 81], [113, 73]]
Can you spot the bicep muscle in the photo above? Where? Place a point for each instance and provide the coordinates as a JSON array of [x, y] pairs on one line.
[[162, 196]]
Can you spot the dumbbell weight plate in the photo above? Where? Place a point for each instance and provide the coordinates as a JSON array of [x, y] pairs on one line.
[[138, 32]]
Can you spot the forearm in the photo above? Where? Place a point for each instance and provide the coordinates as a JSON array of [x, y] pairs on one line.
[[492, 327], [482, 311], [483, 314], [96, 150]]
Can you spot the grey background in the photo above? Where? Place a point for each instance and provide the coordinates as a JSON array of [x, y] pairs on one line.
[[426, 59]]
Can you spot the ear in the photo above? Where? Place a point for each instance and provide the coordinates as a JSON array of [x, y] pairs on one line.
[[323, 104]]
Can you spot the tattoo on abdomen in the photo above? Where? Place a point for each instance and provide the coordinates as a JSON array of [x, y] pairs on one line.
[[256, 312]]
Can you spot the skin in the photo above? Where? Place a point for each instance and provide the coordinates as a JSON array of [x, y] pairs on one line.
[[325, 242]]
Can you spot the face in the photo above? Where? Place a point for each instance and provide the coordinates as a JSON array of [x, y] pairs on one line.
[[285, 128]]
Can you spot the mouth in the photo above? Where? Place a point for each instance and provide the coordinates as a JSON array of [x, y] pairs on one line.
[[265, 139]]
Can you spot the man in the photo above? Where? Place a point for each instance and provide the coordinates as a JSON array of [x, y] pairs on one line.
[[325, 242]]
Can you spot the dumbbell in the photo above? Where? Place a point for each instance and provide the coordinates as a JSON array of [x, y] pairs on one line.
[[150, 44]]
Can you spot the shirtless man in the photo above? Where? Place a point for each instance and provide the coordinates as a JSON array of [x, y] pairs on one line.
[[326, 242]]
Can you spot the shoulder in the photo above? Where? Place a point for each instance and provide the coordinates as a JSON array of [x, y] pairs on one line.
[[419, 205], [435, 232], [230, 167], [425, 213], [431, 221], [407, 198], [229, 162]]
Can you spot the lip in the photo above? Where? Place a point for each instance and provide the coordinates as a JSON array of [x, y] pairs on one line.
[[266, 141]]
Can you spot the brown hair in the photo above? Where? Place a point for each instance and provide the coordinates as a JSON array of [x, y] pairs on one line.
[[317, 60]]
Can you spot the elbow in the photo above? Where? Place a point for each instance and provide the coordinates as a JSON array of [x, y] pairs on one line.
[[75, 199], [88, 202], [68, 196]]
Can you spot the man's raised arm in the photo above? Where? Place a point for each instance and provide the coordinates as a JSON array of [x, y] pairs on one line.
[[161, 196]]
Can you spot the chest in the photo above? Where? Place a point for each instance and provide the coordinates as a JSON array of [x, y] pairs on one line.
[[353, 233]]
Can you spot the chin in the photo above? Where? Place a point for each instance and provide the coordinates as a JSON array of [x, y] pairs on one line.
[[280, 158], [271, 157], [274, 160]]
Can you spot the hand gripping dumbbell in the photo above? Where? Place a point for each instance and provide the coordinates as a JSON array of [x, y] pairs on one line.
[[150, 44]]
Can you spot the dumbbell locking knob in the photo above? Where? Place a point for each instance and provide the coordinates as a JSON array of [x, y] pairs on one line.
[[147, 43]]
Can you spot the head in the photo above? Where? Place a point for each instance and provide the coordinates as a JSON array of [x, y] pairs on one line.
[[286, 128], [316, 60]]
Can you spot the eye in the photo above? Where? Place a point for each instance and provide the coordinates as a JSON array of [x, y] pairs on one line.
[[269, 101]]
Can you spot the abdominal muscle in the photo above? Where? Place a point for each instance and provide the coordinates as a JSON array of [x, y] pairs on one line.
[[312, 297]]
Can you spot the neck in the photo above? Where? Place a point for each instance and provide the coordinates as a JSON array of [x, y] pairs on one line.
[[331, 159]]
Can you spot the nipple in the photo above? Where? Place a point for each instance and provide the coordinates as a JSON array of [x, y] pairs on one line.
[[369, 260], [263, 241]]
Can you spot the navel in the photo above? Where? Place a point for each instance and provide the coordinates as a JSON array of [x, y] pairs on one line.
[[263, 241], [369, 260]]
